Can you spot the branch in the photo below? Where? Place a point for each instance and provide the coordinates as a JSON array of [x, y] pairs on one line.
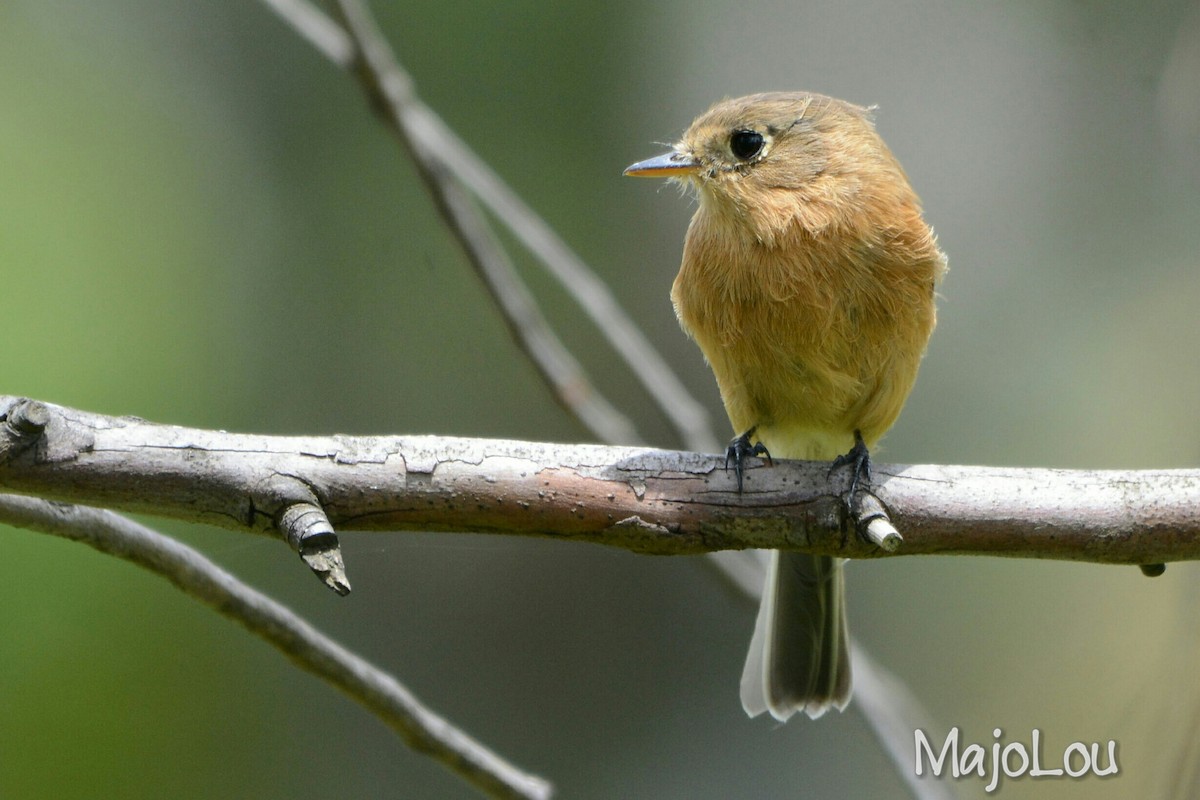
[[640, 499], [310, 649]]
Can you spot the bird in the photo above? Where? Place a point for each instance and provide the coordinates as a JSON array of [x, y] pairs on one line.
[[808, 280]]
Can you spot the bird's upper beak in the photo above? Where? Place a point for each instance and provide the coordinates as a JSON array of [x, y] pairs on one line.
[[673, 164]]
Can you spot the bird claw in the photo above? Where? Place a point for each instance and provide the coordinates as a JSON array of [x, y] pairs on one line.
[[740, 449], [859, 461]]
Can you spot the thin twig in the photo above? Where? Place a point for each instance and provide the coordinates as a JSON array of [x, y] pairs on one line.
[[390, 91], [325, 35], [893, 713], [308, 648], [435, 143], [689, 418]]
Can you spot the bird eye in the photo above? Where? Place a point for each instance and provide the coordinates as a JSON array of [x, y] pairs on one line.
[[746, 144]]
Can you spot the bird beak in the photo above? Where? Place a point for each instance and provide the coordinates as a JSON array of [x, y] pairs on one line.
[[668, 165]]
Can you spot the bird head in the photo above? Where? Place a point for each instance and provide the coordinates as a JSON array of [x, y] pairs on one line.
[[766, 163]]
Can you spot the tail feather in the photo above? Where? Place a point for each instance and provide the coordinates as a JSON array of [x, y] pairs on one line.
[[799, 655]]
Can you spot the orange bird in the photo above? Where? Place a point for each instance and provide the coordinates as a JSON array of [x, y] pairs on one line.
[[808, 282]]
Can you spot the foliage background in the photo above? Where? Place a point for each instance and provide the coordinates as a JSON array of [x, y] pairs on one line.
[[201, 224]]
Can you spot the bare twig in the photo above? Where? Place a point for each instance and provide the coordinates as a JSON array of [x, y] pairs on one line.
[[391, 94], [690, 419], [325, 35], [641, 499], [893, 712], [307, 647], [441, 154]]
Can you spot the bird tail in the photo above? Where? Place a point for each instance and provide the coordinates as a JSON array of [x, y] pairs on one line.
[[799, 657]]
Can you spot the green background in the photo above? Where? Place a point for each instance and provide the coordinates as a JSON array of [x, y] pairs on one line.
[[202, 224]]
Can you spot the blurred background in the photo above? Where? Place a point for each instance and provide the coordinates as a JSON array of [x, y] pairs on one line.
[[202, 224]]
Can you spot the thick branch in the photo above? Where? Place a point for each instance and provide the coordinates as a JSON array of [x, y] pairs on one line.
[[641, 499]]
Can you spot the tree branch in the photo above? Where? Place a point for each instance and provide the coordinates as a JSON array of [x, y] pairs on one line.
[[640, 499], [377, 691]]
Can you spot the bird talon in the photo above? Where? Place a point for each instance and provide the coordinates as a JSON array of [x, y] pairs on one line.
[[740, 449], [859, 461]]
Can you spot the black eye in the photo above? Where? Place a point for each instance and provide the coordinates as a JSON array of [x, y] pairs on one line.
[[746, 144]]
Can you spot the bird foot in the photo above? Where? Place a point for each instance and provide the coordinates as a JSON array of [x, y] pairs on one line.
[[859, 461], [740, 449]]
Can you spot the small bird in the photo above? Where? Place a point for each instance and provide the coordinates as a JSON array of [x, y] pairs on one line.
[[808, 282]]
